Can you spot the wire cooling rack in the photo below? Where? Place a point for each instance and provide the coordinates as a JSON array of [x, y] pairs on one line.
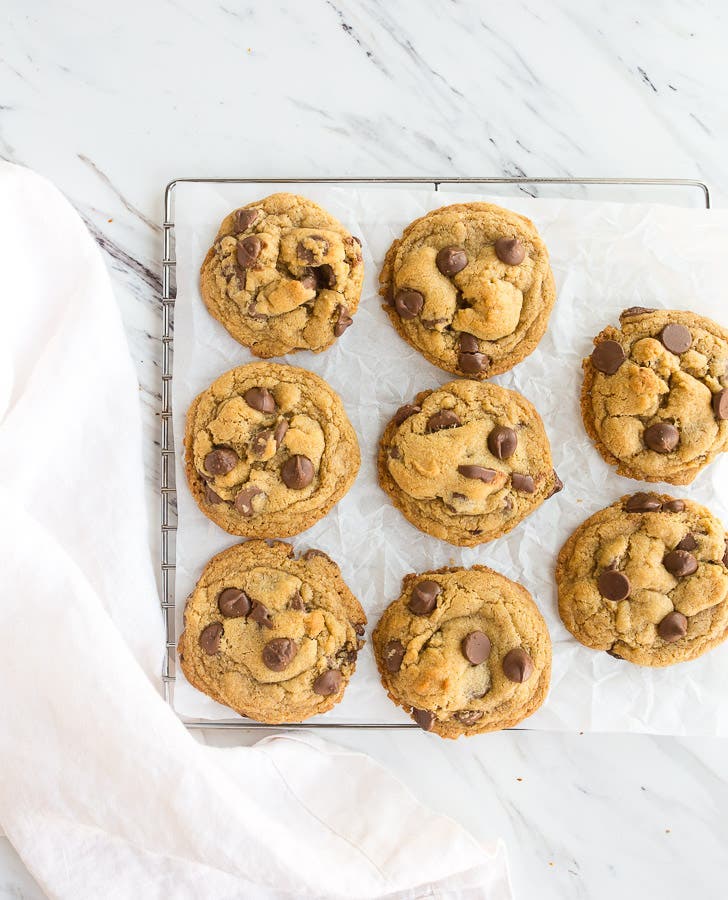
[[168, 485]]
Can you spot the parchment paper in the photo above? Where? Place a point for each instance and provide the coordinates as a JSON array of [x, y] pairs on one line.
[[605, 256]]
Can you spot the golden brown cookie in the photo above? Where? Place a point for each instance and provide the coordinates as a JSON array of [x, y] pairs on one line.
[[283, 275], [467, 462], [463, 651], [646, 580], [470, 287], [269, 450], [273, 637], [655, 394]]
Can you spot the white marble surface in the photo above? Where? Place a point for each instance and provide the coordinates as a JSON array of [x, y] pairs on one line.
[[111, 103]]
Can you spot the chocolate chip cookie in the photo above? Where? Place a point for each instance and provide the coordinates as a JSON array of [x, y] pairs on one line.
[[283, 275], [470, 287], [463, 651], [467, 462], [646, 580], [655, 394], [269, 450], [273, 637]]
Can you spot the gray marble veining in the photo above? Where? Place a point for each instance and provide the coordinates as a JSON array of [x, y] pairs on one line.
[[111, 105]]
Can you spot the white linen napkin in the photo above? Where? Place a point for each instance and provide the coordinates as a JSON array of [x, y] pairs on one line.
[[102, 790]]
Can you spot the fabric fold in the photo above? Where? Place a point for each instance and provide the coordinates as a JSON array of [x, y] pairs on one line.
[[103, 791]]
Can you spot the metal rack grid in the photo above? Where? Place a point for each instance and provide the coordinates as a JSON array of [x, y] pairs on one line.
[[168, 485]]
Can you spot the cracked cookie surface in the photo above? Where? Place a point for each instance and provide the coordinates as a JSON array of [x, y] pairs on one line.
[[269, 450], [463, 651], [655, 394], [283, 275], [646, 580], [470, 287], [467, 462], [273, 637]]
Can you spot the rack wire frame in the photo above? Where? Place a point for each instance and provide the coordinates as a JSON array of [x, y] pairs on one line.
[[168, 483]]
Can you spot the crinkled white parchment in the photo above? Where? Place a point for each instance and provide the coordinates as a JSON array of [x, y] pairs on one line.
[[605, 256]]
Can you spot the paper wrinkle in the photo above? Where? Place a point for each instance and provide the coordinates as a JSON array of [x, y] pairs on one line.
[[606, 257]]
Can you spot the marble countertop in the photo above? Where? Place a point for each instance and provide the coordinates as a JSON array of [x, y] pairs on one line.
[[112, 107]]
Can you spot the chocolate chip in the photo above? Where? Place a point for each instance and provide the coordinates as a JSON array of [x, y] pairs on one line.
[[261, 615], [674, 505], [359, 628], [662, 437], [328, 683], [393, 656], [244, 218], [244, 500], [296, 601], [641, 502], [558, 485], [343, 321], [634, 311], [676, 338], [673, 627], [210, 637], [424, 718], [523, 483], [404, 412], [468, 343], [248, 250], [725, 555], [259, 443], [233, 603], [473, 363], [260, 398], [502, 442], [451, 260], [680, 563], [423, 598], [279, 653], [325, 276], [614, 585], [309, 281], [720, 404], [469, 716], [297, 472], [433, 323], [688, 542], [395, 453], [446, 418], [211, 496], [607, 357], [517, 665], [221, 461], [408, 303], [476, 647], [279, 432], [510, 251], [254, 314], [478, 472], [306, 254], [313, 552]]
